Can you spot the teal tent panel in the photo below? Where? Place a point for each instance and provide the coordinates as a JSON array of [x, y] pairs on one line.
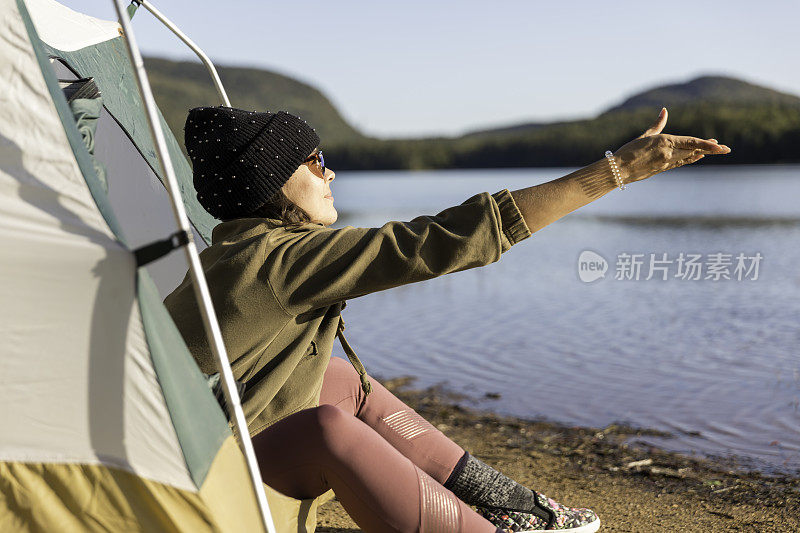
[[198, 419], [107, 62], [82, 155], [132, 9]]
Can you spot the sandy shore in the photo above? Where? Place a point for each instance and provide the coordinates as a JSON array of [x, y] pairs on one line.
[[632, 488]]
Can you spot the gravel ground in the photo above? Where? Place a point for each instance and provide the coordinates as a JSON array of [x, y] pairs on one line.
[[632, 488]]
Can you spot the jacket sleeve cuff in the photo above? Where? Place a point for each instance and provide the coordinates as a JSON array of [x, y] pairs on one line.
[[514, 228]]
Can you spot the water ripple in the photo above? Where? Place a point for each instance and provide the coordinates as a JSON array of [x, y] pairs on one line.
[[715, 363]]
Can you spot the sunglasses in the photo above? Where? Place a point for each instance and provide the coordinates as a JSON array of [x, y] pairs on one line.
[[319, 160]]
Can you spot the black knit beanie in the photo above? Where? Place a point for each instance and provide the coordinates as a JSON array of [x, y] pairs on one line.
[[241, 158]]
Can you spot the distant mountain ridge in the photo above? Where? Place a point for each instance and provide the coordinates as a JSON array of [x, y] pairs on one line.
[[707, 89], [760, 124], [703, 90]]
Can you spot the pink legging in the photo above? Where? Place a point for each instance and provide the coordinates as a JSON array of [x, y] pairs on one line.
[[385, 463]]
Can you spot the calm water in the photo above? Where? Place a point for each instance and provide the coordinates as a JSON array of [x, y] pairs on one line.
[[717, 363]]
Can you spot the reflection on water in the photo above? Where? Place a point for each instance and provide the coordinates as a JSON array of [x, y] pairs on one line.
[[715, 362]]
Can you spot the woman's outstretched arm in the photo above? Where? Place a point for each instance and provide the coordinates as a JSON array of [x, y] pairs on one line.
[[312, 267], [645, 156]]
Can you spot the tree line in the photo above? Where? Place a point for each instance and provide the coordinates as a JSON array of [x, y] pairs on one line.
[[768, 133]]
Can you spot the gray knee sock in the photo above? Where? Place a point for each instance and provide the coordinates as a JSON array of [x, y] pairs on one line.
[[476, 483]]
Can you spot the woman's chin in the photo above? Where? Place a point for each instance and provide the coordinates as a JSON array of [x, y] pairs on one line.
[[334, 216], [329, 217]]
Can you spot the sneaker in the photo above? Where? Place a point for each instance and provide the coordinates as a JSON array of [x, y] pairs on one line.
[[547, 515]]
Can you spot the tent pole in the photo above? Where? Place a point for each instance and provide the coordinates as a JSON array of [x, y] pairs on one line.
[[198, 278], [196, 49]]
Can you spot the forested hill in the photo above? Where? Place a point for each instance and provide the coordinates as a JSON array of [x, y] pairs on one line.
[[761, 125], [708, 89], [179, 86], [705, 91]]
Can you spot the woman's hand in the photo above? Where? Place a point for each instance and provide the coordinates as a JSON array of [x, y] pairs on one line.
[[654, 152]]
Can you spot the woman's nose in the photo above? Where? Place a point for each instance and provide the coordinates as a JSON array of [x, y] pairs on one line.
[[330, 175]]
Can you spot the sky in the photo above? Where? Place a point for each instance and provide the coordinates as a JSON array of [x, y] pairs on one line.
[[412, 68]]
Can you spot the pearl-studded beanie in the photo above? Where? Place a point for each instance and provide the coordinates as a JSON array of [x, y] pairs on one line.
[[241, 158]]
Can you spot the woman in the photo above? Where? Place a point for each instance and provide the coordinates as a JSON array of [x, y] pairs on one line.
[[279, 278]]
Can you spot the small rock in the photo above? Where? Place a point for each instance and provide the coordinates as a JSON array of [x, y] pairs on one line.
[[668, 472], [639, 464]]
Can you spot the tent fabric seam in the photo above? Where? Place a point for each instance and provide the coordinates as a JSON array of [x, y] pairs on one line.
[[197, 474], [137, 291]]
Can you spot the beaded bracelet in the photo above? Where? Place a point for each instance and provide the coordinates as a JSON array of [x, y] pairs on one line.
[[614, 169]]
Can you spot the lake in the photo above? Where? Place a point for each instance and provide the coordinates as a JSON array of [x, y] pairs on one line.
[[714, 361]]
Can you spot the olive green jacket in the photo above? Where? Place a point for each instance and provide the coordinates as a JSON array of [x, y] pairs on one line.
[[278, 291]]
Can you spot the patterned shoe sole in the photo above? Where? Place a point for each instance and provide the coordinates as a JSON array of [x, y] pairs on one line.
[[588, 528]]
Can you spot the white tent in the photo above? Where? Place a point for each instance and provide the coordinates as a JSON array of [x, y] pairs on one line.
[[107, 423]]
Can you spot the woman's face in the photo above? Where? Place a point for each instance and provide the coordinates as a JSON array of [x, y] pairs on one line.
[[312, 193]]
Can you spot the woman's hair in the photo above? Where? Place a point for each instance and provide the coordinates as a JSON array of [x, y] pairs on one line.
[[281, 208]]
